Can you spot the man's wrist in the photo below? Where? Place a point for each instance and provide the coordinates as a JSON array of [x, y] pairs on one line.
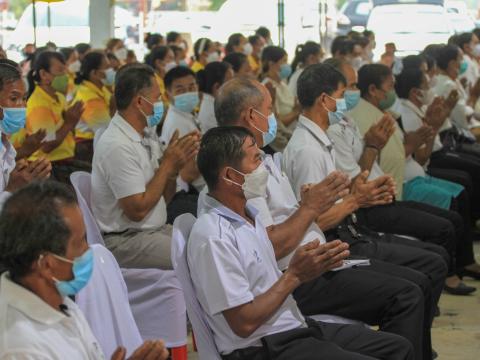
[[291, 280]]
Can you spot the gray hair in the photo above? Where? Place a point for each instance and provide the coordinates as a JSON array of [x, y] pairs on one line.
[[234, 97]]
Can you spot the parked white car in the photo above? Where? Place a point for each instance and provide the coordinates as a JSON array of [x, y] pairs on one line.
[[410, 26]]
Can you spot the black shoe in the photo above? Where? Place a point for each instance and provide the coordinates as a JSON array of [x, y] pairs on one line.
[[434, 354], [437, 311], [465, 272], [461, 289]]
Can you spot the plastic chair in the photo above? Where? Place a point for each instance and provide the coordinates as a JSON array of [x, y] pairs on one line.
[[104, 302], [155, 295], [182, 227]]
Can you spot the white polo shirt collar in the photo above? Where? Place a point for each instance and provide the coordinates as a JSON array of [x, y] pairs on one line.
[[316, 132], [126, 128], [28, 303], [217, 207]]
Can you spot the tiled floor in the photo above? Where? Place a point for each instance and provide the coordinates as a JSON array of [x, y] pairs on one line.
[[456, 333]]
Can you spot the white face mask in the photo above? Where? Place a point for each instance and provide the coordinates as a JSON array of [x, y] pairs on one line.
[[170, 66], [74, 67], [255, 183], [121, 54], [357, 62], [433, 81], [212, 57], [476, 50], [427, 96], [248, 49]]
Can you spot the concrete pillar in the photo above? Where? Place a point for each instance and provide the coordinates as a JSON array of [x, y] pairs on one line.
[[101, 22]]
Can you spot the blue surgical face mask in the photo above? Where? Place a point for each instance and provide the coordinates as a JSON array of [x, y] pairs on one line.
[[285, 71], [155, 118], [270, 135], [109, 77], [186, 102], [82, 272], [463, 67], [183, 63], [352, 97], [334, 117], [13, 120]]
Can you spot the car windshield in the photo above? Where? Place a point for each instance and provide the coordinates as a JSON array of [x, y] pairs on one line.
[[409, 19]]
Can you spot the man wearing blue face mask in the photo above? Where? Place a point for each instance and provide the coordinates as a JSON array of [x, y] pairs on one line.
[[182, 90], [39, 320], [16, 171], [134, 177]]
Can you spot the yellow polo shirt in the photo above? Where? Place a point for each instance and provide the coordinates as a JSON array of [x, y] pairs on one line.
[[46, 112], [96, 111], [196, 67], [163, 90], [254, 64]]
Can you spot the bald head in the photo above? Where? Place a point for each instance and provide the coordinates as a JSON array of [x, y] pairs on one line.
[[235, 97]]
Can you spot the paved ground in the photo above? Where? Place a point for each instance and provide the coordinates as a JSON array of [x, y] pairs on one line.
[[456, 333]]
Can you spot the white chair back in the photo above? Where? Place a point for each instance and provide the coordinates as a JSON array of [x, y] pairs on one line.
[[104, 302], [155, 296], [82, 184], [203, 334]]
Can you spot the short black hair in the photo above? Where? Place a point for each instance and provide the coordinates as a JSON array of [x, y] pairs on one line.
[[413, 61], [92, 61], [221, 147], [236, 59], [407, 80], [153, 40], [66, 52], [445, 54], [233, 40], [177, 73], [172, 36], [235, 96], [342, 45], [157, 53], [315, 80], [82, 48], [252, 39], [31, 223], [214, 73], [129, 81], [463, 39], [9, 72], [263, 32], [372, 74], [272, 53]]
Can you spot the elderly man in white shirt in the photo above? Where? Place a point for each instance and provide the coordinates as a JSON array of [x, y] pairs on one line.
[[132, 178], [310, 157], [38, 319], [247, 300]]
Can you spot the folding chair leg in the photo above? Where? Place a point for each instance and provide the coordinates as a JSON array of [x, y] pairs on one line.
[[194, 343], [179, 353]]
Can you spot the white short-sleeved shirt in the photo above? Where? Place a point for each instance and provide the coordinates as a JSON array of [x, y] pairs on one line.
[[276, 208], [32, 329], [206, 116], [309, 156], [177, 120], [231, 262], [412, 120], [349, 146], [124, 162], [7, 164], [461, 110], [293, 81]]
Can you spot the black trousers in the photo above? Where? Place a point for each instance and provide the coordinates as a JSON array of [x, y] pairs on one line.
[[463, 162], [328, 341], [425, 222]]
